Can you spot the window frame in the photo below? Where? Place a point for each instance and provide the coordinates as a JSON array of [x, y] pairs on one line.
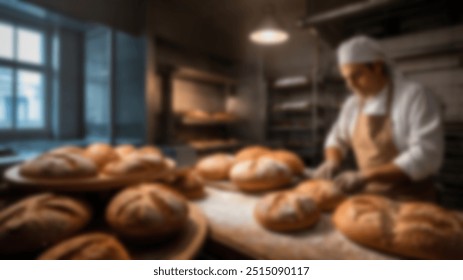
[[45, 68]]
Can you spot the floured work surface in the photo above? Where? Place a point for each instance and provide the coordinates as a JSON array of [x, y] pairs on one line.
[[232, 224]]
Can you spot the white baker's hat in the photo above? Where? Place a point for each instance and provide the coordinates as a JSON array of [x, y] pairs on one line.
[[360, 49]]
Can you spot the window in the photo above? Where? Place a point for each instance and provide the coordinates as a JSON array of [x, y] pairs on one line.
[[22, 78]]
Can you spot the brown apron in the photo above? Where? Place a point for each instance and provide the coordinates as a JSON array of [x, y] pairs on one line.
[[373, 146]]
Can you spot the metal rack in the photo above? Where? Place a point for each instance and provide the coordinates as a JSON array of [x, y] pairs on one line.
[[451, 176]]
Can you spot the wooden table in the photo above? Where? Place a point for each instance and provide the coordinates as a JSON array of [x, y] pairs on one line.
[[232, 225]]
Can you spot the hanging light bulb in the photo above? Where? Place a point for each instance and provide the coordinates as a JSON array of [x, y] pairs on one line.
[[269, 32]]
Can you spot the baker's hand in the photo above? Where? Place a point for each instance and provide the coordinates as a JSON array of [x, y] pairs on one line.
[[327, 170], [350, 182]]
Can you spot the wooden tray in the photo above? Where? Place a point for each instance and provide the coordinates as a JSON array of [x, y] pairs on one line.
[[99, 183], [183, 247]]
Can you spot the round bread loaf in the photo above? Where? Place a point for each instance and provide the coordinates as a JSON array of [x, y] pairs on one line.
[[68, 150], [149, 150], [291, 159], [260, 174], [368, 218], [251, 152], [189, 183], [90, 246], [427, 231], [101, 154], [147, 213], [59, 165], [170, 173], [412, 229], [323, 192], [124, 150], [39, 221], [136, 164], [215, 167], [286, 211]]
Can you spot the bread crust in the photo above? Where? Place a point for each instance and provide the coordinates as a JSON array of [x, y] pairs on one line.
[[286, 211], [291, 159], [147, 213], [323, 192], [413, 229], [90, 246], [260, 174], [215, 167], [59, 165], [39, 221], [101, 154], [188, 182], [251, 152]]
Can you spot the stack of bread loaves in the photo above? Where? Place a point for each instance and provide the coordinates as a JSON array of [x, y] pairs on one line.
[[143, 213], [96, 161], [412, 229], [140, 214]]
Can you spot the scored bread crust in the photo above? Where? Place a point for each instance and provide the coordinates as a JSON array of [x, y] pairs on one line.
[[413, 229], [286, 211], [251, 152], [59, 165], [39, 221], [260, 174], [188, 182], [90, 246], [136, 164], [124, 150], [323, 192], [101, 154], [215, 167], [68, 150], [147, 213], [291, 159]]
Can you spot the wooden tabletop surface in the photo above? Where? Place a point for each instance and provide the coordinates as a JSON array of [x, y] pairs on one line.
[[232, 224]]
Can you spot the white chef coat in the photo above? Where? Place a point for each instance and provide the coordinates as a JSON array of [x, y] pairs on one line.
[[417, 127]]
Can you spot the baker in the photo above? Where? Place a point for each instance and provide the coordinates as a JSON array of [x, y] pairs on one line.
[[393, 126]]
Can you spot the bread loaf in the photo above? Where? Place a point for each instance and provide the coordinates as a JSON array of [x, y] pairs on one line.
[[59, 165], [124, 150], [68, 150], [90, 246], [136, 164], [286, 211], [323, 192], [251, 152], [412, 229], [289, 158], [260, 174], [188, 182], [215, 167], [147, 213], [101, 154], [149, 150], [39, 221]]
